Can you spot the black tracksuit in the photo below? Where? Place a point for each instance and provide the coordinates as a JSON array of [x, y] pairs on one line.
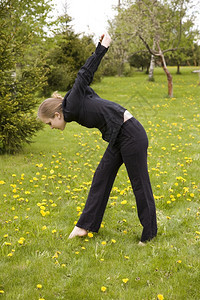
[[127, 144]]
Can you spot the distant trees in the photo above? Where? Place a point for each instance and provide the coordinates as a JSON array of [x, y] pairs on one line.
[[159, 26]]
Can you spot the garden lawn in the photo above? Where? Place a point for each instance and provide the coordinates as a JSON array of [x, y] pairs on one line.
[[43, 191]]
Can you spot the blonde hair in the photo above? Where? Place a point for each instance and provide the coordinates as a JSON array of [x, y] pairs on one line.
[[49, 106]]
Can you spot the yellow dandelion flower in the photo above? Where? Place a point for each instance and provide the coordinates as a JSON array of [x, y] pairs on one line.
[[103, 289], [7, 244], [54, 231], [123, 202], [179, 261], [43, 213], [125, 280], [113, 241], [39, 286], [44, 227], [21, 240], [90, 234], [2, 292], [160, 297], [103, 243]]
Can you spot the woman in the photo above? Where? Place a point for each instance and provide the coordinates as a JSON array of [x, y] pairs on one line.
[[127, 144]]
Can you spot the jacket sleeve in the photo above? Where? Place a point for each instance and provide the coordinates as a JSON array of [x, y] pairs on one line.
[[86, 73]]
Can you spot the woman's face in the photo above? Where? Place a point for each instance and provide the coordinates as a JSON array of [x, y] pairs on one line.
[[57, 122]]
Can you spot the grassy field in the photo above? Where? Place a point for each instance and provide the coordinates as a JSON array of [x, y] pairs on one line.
[[43, 191]]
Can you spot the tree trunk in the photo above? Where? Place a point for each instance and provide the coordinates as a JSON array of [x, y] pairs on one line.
[[178, 69], [151, 69], [169, 76]]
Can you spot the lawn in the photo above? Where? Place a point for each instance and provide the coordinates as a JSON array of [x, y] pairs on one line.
[[43, 191]]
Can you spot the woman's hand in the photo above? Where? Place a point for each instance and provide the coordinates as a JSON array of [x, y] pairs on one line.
[[105, 40]]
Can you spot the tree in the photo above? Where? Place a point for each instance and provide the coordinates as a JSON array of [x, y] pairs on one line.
[[183, 53], [21, 30], [67, 54], [157, 24]]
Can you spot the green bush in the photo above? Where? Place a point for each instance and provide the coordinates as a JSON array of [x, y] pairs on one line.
[[22, 70]]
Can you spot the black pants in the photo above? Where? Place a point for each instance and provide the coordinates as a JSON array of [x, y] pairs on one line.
[[131, 149]]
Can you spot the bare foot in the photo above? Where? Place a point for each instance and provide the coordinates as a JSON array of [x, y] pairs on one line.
[[77, 231], [141, 244]]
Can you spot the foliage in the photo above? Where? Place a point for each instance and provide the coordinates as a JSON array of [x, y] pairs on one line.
[[184, 53], [140, 60], [68, 52], [66, 57], [43, 192], [21, 28]]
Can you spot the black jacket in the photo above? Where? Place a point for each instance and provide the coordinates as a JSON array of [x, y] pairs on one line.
[[83, 105]]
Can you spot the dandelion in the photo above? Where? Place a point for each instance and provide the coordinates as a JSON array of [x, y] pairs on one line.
[[39, 286], [103, 289], [90, 234], [125, 280], [54, 231], [160, 297], [21, 240], [179, 261], [123, 202], [2, 292], [103, 243], [113, 241], [43, 213], [7, 244]]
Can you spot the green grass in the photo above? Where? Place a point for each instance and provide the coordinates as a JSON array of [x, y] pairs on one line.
[[56, 171]]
